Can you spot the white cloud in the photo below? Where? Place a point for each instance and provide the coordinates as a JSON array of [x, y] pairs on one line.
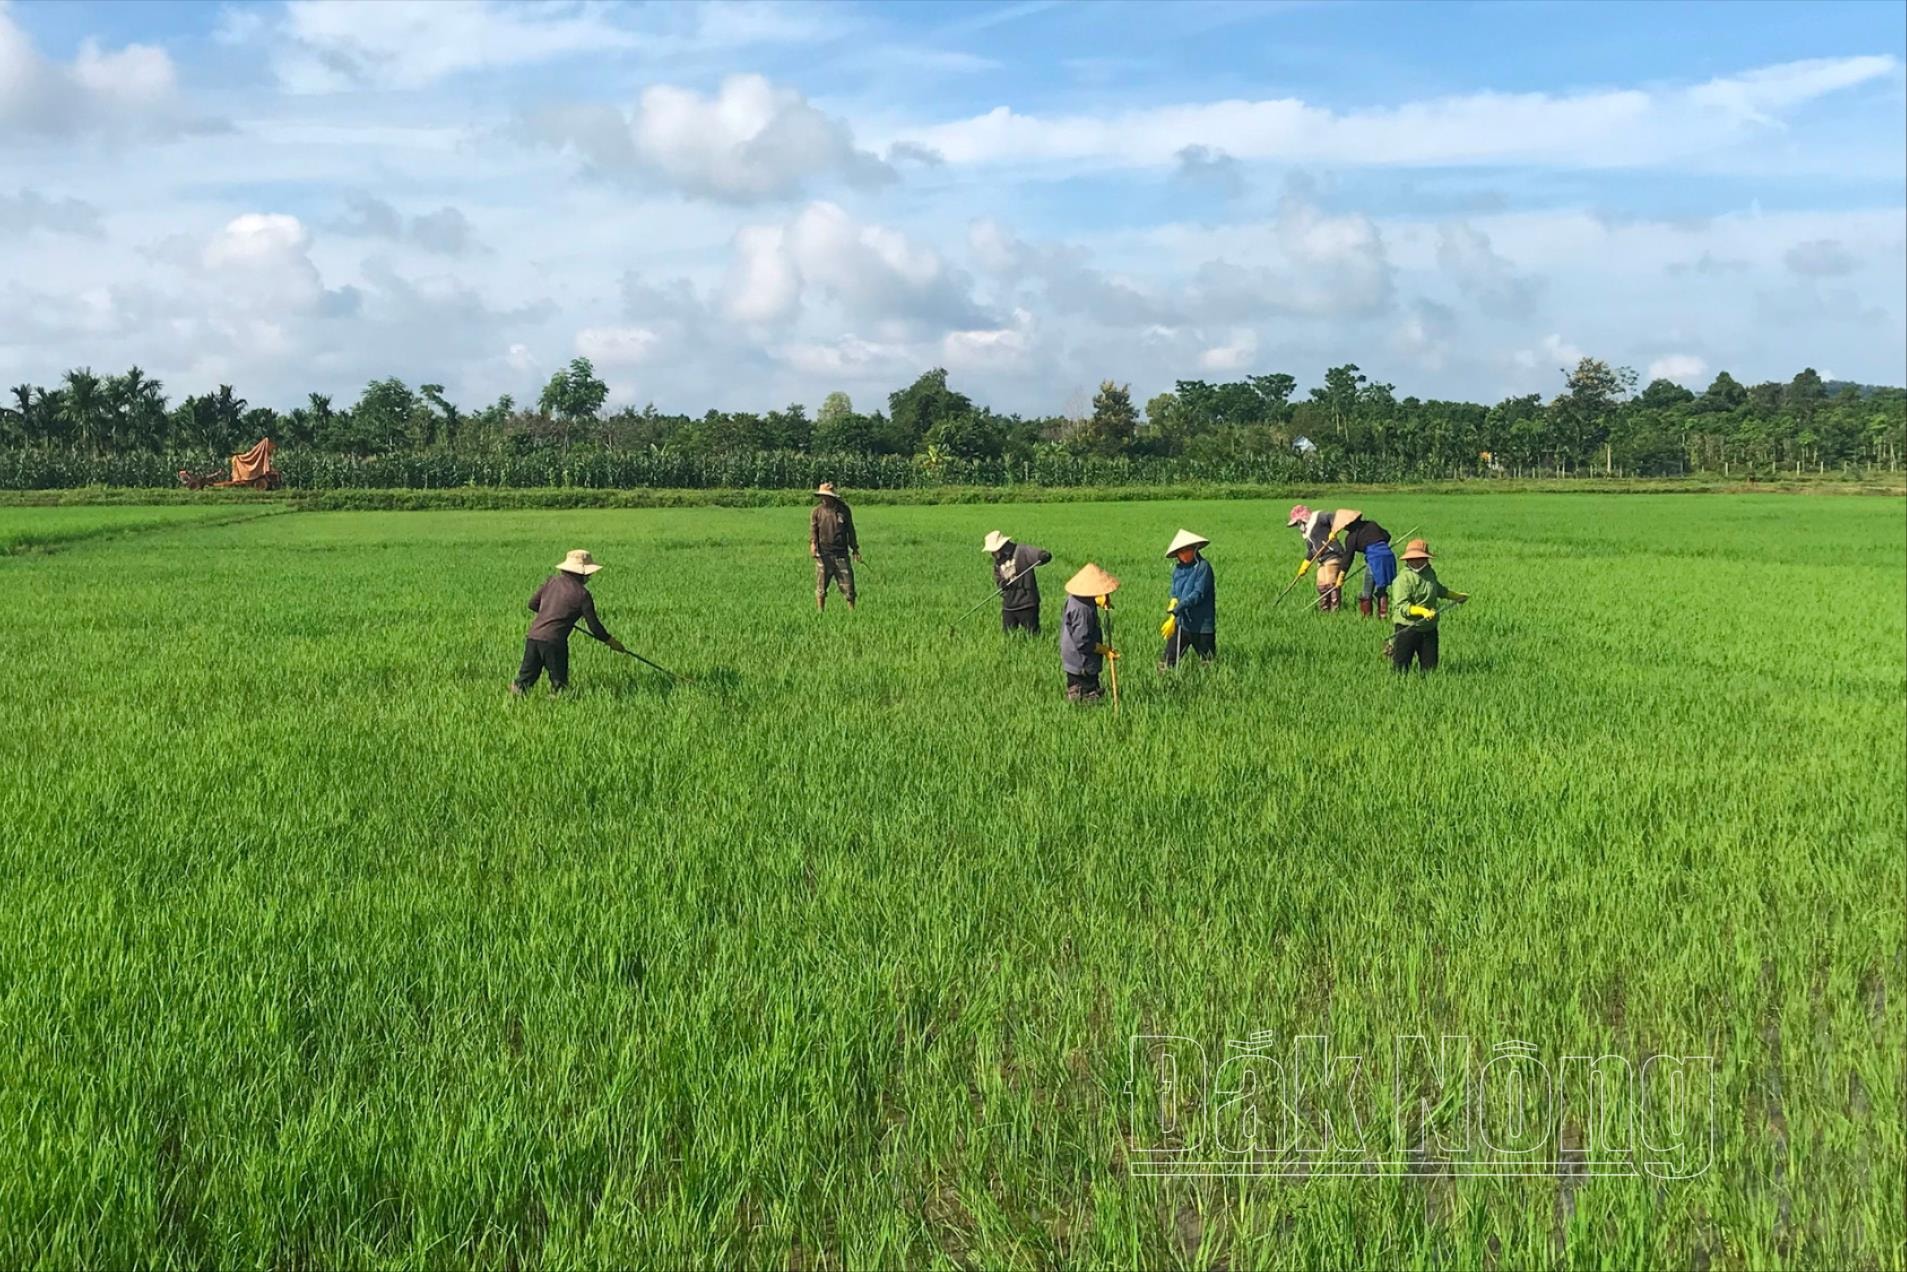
[[750, 141], [1483, 275], [1683, 367], [28, 210], [616, 346], [124, 93], [1820, 258], [408, 44], [1426, 334], [1234, 355], [872, 274], [1605, 128], [446, 231]]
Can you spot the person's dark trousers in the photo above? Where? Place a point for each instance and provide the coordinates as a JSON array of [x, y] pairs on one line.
[[1409, 642], [1204, 644], [1020, 620], [540, 656], [1081, 688]]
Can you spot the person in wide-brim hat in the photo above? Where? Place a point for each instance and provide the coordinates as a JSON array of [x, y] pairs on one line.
[[1416, 595], [1191, 615], [561, 603], [1016, 580], [1083, 649], [831, 542]]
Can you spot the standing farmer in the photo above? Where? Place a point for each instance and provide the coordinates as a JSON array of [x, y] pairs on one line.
[[1324, 547], [1191, 619], [1013, 567], [559, 604], [1082, 647], [1414, 596], [831, 541]]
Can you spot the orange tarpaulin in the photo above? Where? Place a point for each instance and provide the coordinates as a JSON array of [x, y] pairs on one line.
[[253, 464]]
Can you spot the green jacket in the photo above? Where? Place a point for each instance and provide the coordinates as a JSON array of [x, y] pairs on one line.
[[1416, 587]]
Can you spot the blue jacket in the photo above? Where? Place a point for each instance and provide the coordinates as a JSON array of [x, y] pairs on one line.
[[1197, 594], [1079, 638]]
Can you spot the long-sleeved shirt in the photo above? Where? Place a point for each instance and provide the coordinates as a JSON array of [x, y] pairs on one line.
[[1362, 533], [1016, 578], [559, 604], [1079, 638], [1416, 587], [831, 529], [1197, 594], [1317, 533]]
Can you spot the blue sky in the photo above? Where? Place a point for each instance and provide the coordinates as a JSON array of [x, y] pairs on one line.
[[745, 204]]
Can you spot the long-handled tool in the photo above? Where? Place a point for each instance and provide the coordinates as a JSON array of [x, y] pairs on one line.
[[1112, 655], [658, 666], [989, 600], [1308, 562]]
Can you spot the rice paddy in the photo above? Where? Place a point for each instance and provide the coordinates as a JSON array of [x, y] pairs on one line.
[[320, 950]]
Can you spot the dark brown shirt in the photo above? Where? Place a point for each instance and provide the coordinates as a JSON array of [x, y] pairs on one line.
[[559, 604], [831, 529]]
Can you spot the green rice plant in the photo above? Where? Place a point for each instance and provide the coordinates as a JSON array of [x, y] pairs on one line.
[[320, 950]]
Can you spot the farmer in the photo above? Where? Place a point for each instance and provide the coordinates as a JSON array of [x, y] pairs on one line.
[[1013, 566], [831, 541], [1191, 618], [1415, 593], [1380, 565], [1082, 646], [1324, 548], [559, 604]]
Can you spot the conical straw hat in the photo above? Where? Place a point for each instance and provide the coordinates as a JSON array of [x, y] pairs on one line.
[[994, 542], [1186, 539], [1342, 518], [1091, 581]]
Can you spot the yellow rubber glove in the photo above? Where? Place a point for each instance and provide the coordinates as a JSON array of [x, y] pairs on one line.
[[1106, 650], [1418, 611], [1171, 605], [1304, 568], [1170, 625], [1459, 597]]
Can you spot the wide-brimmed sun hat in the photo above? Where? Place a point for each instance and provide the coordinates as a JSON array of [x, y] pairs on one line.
[[1091, 581], [826, 488], [1299, 515], [1186, 539], [579, 562], [1417, 550], [994, 542]]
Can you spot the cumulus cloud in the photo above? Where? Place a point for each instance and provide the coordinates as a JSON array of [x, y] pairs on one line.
[[1210, 168], [1426, 334], [1330, 266], [29, 210], [1683, 367], [446, 231], [116, 94], [874, 275], [750, 141], [1064, 272], [1602, 128], [1232, 356], [1483, 275], [616, 346], [1820, 258]]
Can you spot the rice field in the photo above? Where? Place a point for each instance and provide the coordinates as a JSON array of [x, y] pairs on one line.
[[322, 951]]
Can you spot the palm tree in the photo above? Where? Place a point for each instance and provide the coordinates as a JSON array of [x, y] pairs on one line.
[[84, 408]]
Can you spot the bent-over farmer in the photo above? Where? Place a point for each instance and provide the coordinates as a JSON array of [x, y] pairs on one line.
[[1191, 618], [1324, 547], [1415, 594], [561, 603], [1380, 565], [1082, 644], [831, 541], [1013, 573]]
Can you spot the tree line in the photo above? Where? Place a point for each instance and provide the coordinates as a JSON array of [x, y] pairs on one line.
[[1351, 425]]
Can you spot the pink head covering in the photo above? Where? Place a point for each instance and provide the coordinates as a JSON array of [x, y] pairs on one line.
[[1299, 515]]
